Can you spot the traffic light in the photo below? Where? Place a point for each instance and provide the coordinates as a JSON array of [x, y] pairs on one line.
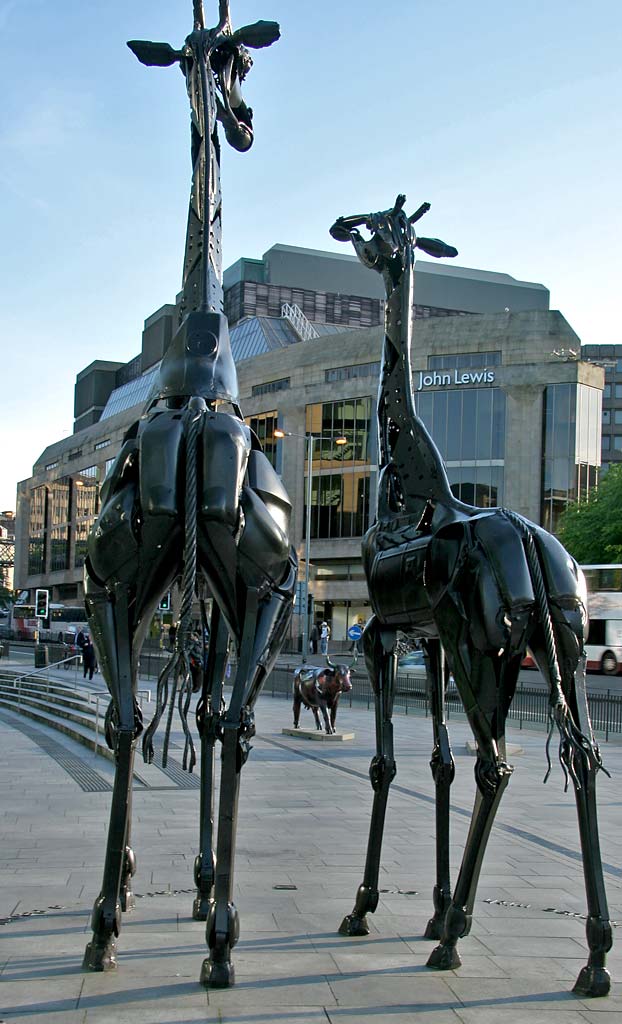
[[165, 603], [42, 600]]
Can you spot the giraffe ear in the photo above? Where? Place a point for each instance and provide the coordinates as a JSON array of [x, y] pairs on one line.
[[160, 55], [434, 247], [340, 232], [262, 33]]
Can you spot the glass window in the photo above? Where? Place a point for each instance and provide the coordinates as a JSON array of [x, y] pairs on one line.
[[469, 424], [618, 365], [82, 533], [340, 473], [606, 442], [264, 425], [270, 386], [617, 442], [464, 361], [133, 393], [617, 416], [572, 446], [607, 391], [606, 417], [59, 546], [618, 391], [465, 423], [36, 555], [352, 372]]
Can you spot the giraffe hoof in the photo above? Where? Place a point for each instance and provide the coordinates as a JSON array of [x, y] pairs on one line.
[[100, 956], [434, 928], [217, 975], [444, 958], [200, 908], [593, 982], [354, 925]]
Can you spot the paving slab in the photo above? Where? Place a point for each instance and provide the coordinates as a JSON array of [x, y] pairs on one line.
[[304, 817]]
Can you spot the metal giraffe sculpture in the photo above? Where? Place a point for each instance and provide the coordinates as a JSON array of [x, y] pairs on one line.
[[477, 586], [191, 496]]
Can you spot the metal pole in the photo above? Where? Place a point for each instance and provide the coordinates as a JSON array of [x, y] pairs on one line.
[[305, 611]]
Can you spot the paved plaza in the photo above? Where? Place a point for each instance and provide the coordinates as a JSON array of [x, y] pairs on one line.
[[304, 813]]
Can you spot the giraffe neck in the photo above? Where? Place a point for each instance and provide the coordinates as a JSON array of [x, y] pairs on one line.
[[412, 472], [202, 271]]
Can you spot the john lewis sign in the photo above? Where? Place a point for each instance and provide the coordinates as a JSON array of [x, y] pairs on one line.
[[458, 377]]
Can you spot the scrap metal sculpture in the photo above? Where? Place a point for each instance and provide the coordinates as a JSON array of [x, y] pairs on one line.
[[477, 586], [319, 689], [192, 497]]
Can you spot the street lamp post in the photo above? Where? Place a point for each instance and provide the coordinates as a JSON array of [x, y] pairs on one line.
[[309, 438]]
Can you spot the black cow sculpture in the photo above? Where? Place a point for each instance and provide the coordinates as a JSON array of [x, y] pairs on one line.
[[319, 689], [477, 585], [192, 497]]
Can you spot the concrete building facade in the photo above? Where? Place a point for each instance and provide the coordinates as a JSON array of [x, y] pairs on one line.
[[517, 421]]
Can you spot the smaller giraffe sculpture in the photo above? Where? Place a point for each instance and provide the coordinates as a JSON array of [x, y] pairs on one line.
[[477, 587]]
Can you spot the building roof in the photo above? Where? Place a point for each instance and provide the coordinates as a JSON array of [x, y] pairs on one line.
[[257, 334]]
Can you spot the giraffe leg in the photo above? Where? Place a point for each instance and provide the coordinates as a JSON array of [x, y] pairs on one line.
[[126, 895], [100, 954], [594, 979], [580, 759], [381, 661], [443, 772], [208, 721], [223, 929], [492, 776]]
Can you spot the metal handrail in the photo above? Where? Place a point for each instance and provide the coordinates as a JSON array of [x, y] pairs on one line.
[[45, 668]]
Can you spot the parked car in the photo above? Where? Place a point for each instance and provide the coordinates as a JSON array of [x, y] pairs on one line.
[[412, 661]]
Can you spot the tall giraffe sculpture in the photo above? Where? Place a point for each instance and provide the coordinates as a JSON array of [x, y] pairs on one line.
[[476, 586], [192, 497]]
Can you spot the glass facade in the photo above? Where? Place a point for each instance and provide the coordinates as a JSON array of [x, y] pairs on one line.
[[468, 427], [264, 425], [37, 534], [571, 447], [86, 508], [340, 484], [60, 505]]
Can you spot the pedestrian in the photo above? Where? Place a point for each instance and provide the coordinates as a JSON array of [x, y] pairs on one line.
[[172, 633], [324, 637], [80, 639], [313, 639], [88, 657]]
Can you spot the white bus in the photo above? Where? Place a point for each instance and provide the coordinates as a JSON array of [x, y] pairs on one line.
[[604, 602], [62, 625], [604, 638]]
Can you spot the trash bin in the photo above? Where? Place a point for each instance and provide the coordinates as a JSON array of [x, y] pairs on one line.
[[57, 652], [41, 656]]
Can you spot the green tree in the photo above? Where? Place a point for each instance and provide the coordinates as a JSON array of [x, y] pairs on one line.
[[592, 530]]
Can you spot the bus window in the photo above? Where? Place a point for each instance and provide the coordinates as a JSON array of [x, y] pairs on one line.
[[596, 633]]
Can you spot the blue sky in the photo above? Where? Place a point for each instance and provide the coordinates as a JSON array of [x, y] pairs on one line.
[[506, 117]]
